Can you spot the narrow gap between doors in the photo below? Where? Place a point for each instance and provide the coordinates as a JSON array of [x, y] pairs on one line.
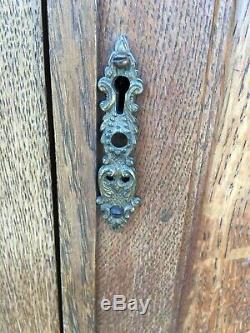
[[52, 152]]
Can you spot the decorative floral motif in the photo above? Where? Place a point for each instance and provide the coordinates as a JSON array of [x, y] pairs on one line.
[[116, 178]]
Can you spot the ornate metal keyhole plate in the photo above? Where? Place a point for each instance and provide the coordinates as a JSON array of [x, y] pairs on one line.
[[116, 177]]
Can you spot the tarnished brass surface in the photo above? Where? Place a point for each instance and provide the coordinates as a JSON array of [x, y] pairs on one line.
[[116, 177]]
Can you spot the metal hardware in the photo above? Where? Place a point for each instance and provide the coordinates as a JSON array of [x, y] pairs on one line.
[[116, 177]]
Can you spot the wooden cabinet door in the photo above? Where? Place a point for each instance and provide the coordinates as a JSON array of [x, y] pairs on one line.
[[190, 56], [28, 283], [186, 248]]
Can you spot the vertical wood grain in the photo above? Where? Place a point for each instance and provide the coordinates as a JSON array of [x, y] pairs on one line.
[[28, 290], [171, 42], [217, 290], [72, 36]]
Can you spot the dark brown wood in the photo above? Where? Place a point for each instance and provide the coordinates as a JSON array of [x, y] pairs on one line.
[[72, 32], [216, 294], [28, 288], [171, 42]]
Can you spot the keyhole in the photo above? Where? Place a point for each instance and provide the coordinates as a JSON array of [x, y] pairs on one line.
[[119, 140], [121, 86]]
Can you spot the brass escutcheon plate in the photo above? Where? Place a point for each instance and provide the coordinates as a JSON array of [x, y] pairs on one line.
[[116, 177]]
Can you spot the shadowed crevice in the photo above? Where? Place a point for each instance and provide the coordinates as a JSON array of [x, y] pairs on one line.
[[52, 152]]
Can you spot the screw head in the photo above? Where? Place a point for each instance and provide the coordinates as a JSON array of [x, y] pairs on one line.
[[116, 211]]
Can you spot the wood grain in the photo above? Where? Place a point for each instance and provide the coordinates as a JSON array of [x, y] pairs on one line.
[[171, 41], [28, 292], [72, 35], [217, 290]]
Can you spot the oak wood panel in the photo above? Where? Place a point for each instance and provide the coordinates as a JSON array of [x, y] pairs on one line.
[[217, 291], [214, 83], [28, 292], [72, 32], [171, 42]]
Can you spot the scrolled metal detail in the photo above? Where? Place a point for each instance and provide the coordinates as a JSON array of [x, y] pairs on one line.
[[116, 177]]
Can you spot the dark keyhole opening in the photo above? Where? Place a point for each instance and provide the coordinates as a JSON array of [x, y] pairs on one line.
[[119, 140], [121, 86]]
